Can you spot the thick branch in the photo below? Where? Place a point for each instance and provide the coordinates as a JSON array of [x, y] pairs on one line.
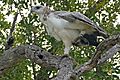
[[34, 53], [63, 63]]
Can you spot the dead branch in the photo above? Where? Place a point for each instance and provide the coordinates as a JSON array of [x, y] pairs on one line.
[[63, 63]]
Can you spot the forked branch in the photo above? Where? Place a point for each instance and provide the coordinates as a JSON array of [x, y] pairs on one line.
[[64, 64]]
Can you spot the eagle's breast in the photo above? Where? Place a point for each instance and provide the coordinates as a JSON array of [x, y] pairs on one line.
[[56, 28]]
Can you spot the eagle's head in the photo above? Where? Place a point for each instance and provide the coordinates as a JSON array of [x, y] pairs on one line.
[[39, 9]]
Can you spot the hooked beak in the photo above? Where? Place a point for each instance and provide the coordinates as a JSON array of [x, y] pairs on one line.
[[32, 9]]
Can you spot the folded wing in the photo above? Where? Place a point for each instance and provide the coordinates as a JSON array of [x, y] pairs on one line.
[[83, 22], [78, 18]]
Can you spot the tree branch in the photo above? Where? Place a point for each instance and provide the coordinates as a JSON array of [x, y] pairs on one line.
[[105, 47], [64, 64], [10, 39], [109, 54]]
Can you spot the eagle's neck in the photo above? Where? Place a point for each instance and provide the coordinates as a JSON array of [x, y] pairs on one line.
[[46, 11], [45, 14]]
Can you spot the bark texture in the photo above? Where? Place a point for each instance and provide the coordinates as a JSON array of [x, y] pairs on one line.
[[64, 64]]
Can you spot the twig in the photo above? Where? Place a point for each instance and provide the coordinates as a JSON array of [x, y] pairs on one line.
[[13, 24], [10, 39]]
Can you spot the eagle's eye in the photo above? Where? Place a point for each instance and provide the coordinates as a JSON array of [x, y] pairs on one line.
[[38, 7]]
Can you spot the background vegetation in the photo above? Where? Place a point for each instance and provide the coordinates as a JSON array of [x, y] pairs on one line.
[[29, 30]]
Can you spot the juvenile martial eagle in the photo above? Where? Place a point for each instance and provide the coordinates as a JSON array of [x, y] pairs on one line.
[[69, 26]]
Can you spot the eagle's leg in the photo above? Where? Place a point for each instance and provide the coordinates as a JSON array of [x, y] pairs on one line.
[[66, 50], [67, 47]]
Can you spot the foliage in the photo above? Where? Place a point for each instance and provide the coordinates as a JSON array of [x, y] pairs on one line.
[[29, 30]]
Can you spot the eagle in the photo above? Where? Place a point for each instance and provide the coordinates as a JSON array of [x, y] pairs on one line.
[[72, 28]]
